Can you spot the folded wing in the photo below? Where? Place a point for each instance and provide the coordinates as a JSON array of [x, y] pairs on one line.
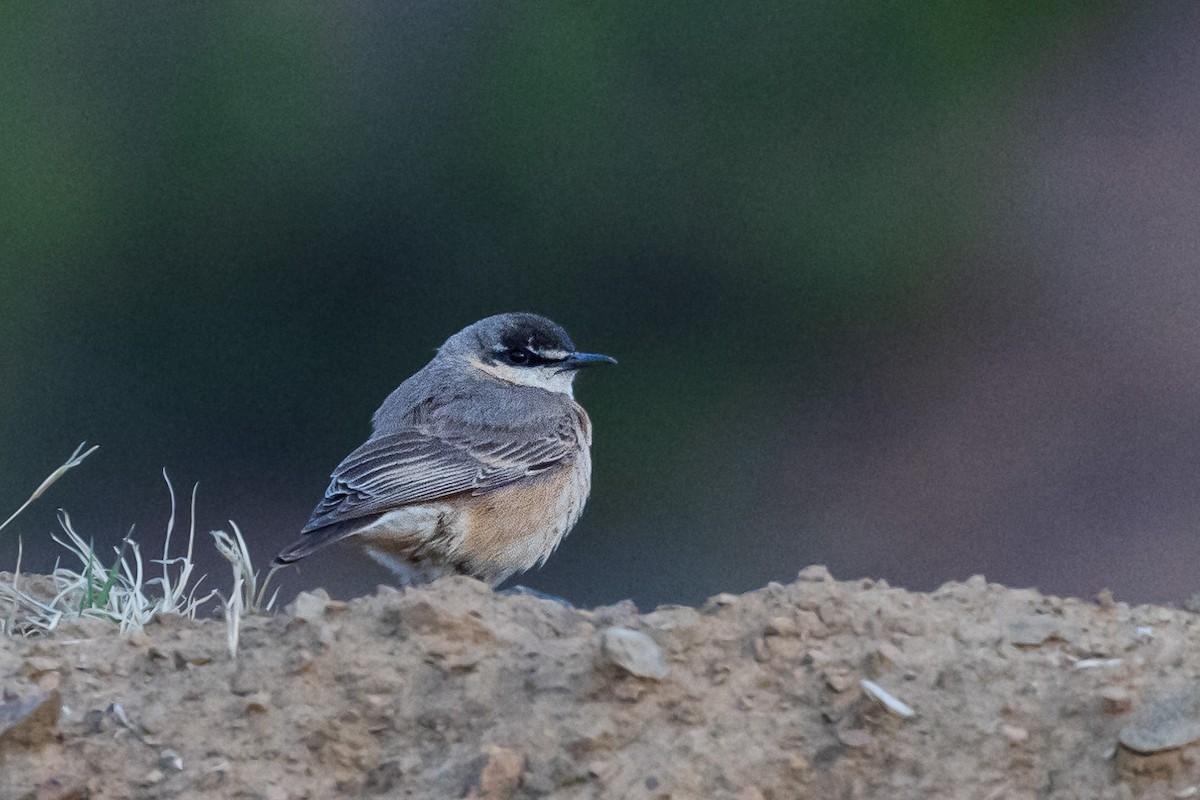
[[414, 467]]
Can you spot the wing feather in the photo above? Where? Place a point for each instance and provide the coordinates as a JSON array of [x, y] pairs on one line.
[[414, 466]]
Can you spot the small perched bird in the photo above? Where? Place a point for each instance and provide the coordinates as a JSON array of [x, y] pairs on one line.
[[478, 464]]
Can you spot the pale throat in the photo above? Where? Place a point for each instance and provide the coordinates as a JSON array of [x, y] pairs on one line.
[[538, 377]]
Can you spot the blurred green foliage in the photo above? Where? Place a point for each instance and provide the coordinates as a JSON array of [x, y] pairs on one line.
[[222, 220]]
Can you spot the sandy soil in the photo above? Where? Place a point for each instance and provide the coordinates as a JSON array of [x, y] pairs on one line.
[[451, 691]]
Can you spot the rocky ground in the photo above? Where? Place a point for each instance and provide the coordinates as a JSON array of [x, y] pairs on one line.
[[818, 689]]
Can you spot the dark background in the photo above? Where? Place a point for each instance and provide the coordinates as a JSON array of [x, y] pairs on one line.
[[908, 289]]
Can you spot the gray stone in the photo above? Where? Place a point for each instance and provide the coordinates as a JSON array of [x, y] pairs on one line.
[[1168, 723], [634, 652]]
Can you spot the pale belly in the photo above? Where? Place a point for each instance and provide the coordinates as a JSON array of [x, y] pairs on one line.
[[490, 535], [518, 527]]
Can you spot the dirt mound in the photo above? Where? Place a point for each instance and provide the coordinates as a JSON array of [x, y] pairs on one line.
[[814, 689]]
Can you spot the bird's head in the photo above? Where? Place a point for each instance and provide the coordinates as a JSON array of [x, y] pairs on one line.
[[523, 349]]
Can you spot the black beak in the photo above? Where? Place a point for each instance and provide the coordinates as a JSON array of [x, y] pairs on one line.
[[577, 360]]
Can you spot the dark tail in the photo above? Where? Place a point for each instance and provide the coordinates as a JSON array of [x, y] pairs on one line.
[[316, 539]]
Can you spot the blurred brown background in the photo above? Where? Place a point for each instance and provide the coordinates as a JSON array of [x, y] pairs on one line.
[[906, 289]]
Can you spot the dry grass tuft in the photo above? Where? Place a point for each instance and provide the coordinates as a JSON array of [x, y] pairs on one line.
[[247, 597], [119, 591]]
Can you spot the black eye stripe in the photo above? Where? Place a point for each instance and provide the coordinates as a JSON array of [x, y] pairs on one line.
[[525, 357]]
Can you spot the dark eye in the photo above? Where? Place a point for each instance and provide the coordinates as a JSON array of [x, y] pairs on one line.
[[518, 356]]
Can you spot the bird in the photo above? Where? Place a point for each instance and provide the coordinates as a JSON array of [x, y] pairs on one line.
[[478, 464]]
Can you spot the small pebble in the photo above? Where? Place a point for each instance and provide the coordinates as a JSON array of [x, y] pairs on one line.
[[634, 652], [1116, 700], [1014, 733], [309, 606], [839, 681], [501, 774], [152, 718], [799, 764], [780, 626], [816, 573], [887, 654], [1037, 630], [854, 737], [258, 702]]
